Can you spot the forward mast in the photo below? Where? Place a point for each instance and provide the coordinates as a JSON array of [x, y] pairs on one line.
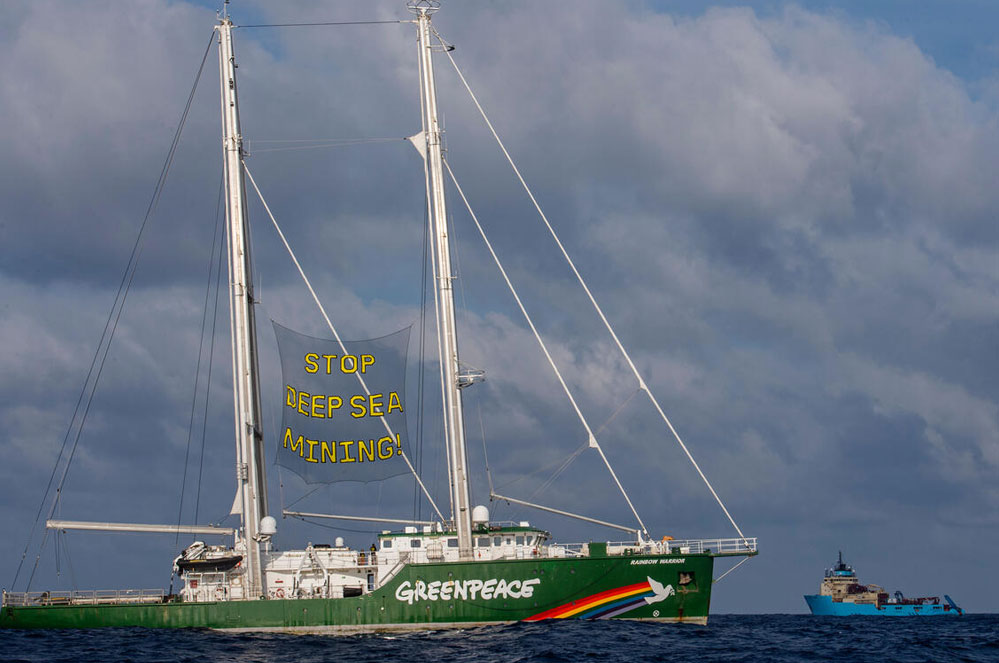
[[251, 482]]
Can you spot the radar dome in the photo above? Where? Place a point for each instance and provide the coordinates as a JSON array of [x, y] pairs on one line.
[[480, 515], [268, 526]]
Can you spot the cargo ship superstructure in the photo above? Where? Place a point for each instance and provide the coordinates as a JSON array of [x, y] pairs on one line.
[[840, 594]]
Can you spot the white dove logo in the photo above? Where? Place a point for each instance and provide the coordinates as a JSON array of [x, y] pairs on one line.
[[660, 593]]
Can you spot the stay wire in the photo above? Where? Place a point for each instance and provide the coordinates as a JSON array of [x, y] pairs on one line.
[[743, 561], [317, 145], [485, 454], [329, 323], [197, 368], [558, 466], [336, 527], [421, 369], [311, 492], [591, 437], [324, 23], [208, 385], [69, 560], [110, 326], [641, 381]]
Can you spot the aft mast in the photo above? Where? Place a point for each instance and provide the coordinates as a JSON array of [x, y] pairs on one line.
[[455, 425], [250, 479]]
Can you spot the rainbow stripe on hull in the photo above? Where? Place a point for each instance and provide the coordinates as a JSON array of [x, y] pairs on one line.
[[607, 604]]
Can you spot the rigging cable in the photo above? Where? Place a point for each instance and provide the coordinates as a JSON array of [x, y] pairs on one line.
[[325, 23], [586, 289], [69, 560], [197, 368], [743, 561], [558, 472], [591, 437], [485, 454], [421, 368], [208, 385], [329, 323], [197, 381], [319, 143], [110, 326], [337, 527]]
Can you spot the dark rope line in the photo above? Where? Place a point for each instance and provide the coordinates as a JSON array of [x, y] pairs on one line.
[[109, 328], [421, 368], [325, 140], [211, 358], [332, 527], [325, 23], [69, 561], [197, 368], [197, 378], [308, 494], [321, 145]]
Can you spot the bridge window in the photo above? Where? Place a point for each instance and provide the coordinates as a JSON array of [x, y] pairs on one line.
[[452, 543], [386, 544], [415, 543]]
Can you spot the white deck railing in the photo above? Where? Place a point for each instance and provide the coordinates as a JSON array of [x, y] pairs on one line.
[[734, 546], [89, 597]]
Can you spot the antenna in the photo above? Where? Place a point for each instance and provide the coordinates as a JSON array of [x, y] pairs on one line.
[[421, 6]]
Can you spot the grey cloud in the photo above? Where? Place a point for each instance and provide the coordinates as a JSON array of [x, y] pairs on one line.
[[790, 217]]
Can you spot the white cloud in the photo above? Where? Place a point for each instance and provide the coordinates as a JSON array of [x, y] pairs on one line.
[[790, 218]]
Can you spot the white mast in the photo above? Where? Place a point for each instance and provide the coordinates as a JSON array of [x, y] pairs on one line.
[[454, 424], [250, 480]]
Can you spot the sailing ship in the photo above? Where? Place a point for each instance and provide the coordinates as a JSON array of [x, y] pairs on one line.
[[458, 570]]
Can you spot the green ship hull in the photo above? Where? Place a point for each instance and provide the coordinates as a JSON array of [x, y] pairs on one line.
[[669, 588]]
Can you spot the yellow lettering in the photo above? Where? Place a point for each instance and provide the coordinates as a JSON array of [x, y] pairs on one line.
[[312, 445], [357, 402], [290, 400], [292, 443], [347, 458], [327, 450], [316, 400], [303, 401], [353, 364], [367, 361], [394, 402], [332, 400], [385, 450], [375, 401], [365, 448], [311, 365], [329, 363]]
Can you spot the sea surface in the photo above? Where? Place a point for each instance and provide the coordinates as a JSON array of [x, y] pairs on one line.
[[727, 638]]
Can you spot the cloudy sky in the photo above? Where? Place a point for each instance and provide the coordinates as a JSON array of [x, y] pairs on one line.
[[786, 210]]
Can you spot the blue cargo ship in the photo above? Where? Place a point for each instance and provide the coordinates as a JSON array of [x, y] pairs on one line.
[[841, 595]]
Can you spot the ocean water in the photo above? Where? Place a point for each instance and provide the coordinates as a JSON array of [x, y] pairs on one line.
[[727, 638]]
